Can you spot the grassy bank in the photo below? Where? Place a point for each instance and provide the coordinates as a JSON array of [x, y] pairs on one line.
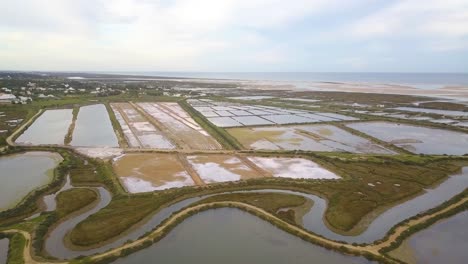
[[15, 248], [270, 202], [116, 126], [421, 226], [73, 200], [71, 128]]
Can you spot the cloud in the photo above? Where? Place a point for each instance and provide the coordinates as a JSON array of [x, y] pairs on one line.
[[204, 35], [435, 20]]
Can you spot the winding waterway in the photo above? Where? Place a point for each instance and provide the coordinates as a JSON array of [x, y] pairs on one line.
[[312, 221], [233, 236]]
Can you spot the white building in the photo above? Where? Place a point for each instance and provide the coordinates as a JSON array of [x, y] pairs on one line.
[[7, 98]]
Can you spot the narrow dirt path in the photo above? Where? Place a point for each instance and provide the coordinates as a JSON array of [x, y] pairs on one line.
[[411, 223], [254, 166], [28, 259], [21, 128], [159, 232], [188, 167]]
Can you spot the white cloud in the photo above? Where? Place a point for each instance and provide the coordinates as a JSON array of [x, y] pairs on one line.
[[435, 20], [135, 34], [181, 34]]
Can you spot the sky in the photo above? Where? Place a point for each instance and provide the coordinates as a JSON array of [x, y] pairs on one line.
[[235, 35]]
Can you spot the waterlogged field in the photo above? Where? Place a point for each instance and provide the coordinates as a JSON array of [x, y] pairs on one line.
[[416, 139], [221, 168], [226, 114], [138, 131], [307, 137], [151, 172], [443, 242], [296, 168], [49, 128], [179, 126], [22, 173], [93, 128]]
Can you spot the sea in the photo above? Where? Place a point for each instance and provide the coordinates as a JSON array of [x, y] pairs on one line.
[[417, 80]]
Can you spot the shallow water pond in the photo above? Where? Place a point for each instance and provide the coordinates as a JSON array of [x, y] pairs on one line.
[[416, 139], [22, 173], [233, 236], [93, 128], [305, 137], [50, 128]]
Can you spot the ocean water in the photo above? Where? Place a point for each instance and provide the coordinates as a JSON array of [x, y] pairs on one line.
[[417, 80]]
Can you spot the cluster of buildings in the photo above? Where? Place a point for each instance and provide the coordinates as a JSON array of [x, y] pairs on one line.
[[32, 91]]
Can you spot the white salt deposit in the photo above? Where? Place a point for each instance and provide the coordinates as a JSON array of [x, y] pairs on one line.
[[295, 168], [100, 153], [211, 172], [137, 185]]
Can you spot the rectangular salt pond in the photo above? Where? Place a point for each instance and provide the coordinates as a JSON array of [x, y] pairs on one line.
[[251, 120], [138, 131], [296, 168], [433, 111], [50, 128], [251, 115], [224, 121], [416, 139], [305, 137], [93, 128], [288, 119], [151, 172], [178, 124], [221, 168]]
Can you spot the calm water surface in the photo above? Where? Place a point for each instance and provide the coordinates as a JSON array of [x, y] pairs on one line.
[[3, 250], [93, 128], [233, 236], [50, 128], [444, 242], [417, 139], [22, 173]]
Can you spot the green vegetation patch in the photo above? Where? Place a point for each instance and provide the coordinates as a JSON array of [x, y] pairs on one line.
[[74, 199], [270, 202], [15, 249]]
